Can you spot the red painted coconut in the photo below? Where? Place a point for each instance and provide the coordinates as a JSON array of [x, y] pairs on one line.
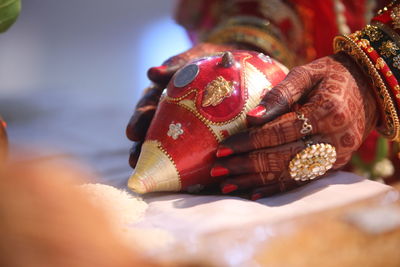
[[205, 102]]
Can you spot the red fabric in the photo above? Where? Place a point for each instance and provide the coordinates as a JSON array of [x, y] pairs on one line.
[[318, 15], [355, 13], [319, 23], [367, 150], [384, 18], [323, 14]]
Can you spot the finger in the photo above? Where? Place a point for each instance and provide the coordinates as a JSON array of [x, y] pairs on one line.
[[163, 74], [134, 153], [272, 160], [247, 181], [139, 123], [276, 188], [287, 128], [280, 99], [144, 112], [319, 115]]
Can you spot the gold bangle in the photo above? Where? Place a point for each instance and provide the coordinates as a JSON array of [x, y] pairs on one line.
[[255, 37], [391, 124]]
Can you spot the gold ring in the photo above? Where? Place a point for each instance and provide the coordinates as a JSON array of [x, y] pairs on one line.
[[307, 127], [313, 161]]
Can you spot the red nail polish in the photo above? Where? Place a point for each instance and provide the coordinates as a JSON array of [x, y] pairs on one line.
[[223, 152], [156, 71], [229, 188], [3, 123], [218, 171], [258, 111], [256, 196]]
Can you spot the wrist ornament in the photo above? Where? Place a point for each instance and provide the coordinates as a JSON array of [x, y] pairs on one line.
[[384, 52], [354, 46], [255, 32]]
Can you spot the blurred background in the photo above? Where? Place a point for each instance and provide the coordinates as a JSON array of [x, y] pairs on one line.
[[72, 71]]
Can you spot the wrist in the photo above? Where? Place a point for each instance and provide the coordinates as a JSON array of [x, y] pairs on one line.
[[389, 125], [365, 87]]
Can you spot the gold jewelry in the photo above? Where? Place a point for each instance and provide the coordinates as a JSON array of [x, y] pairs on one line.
[[391, 123], [307, 127], [313, 161], [389, 31]]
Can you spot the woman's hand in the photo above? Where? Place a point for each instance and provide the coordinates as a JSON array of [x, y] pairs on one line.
[[160, 76], [333, 95]]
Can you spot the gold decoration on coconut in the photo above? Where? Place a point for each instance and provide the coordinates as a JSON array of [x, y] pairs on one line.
[[216, 91]]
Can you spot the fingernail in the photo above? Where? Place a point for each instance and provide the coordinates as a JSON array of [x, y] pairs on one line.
[[256, 196], [258, 111], [218, 171], [229, 188], [223, 152]]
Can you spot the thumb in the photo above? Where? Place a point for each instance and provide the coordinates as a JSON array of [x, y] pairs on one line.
[[280, 99], [163, 74]]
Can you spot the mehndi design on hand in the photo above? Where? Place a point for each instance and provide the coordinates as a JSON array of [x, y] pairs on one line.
[[339, 106]]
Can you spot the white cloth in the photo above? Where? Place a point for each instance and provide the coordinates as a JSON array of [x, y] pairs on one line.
[[188, 216], [91, 129], [228, 230]]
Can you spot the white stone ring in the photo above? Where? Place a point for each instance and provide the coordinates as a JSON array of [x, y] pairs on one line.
[[312, 162]]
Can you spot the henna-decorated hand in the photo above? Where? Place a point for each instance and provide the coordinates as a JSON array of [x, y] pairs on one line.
[[335, 97], [160, 76]]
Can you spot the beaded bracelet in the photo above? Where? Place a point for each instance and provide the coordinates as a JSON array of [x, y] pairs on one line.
[[390, 127]]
